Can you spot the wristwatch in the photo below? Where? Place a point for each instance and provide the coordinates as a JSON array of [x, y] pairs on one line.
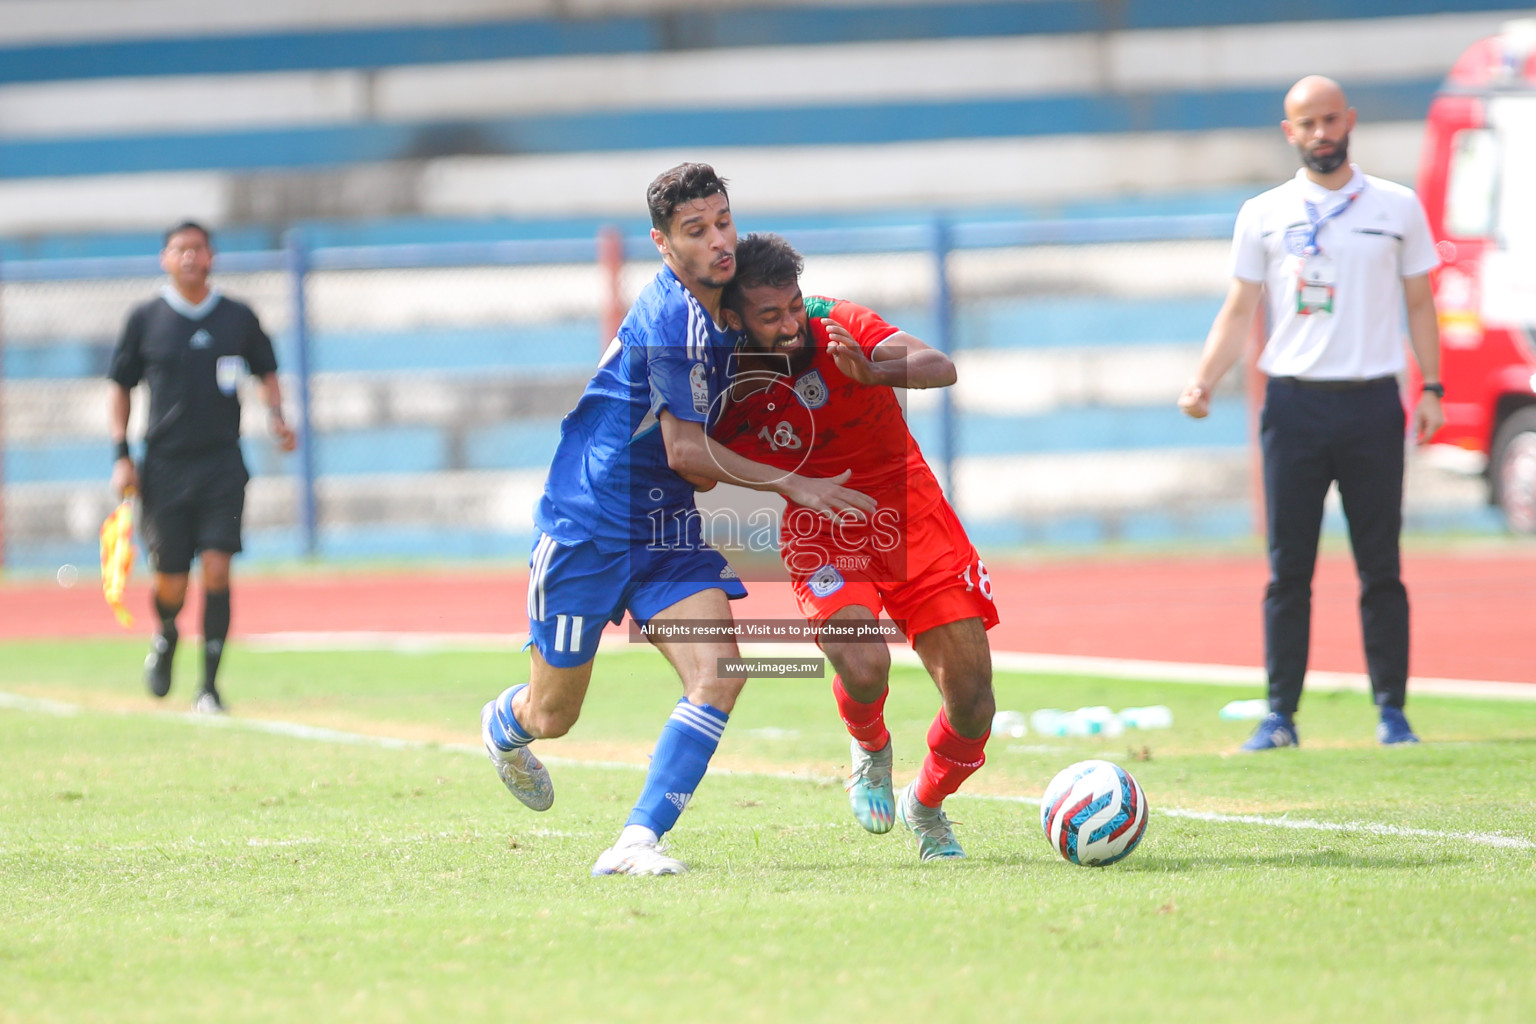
[[1434, 388]]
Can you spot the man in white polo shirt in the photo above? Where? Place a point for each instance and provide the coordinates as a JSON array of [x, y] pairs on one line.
[[1340, 255]]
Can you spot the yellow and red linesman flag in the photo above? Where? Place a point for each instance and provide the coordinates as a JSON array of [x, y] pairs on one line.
[[117, 557]]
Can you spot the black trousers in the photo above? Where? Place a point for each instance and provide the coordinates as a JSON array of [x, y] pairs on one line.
[[1313, 434]]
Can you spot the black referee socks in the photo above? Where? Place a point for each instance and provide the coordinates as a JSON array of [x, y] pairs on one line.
[[167, 615], [215, 630]]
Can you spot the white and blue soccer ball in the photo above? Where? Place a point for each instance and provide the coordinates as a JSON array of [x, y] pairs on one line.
[[1093, 813]]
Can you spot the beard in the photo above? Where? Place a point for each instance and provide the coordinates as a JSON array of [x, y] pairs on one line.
[[774, 360], [1330, 163], [800, 359]]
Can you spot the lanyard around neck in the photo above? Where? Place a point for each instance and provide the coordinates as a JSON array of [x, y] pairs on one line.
[[1317, 222]]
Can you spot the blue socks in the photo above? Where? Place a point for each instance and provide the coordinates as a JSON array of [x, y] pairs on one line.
[[505, 731], [687, 742]]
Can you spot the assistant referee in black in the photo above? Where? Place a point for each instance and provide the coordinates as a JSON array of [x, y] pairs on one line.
[[191, 345]]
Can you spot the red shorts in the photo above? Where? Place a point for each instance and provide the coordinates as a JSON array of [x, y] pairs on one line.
[[933, 577]]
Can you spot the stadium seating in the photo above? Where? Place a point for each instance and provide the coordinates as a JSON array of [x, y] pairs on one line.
[[381, 111], [386, 122]]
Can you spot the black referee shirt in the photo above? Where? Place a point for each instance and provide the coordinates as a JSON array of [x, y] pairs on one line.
[[191, 357]]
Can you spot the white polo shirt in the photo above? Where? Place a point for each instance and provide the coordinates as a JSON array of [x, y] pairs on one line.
[[1373, 242]]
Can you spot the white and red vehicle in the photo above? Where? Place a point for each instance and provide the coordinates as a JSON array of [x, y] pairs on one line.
[[1477, 180]]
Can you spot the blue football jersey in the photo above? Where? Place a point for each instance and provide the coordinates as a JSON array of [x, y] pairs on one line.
[[610, 481]]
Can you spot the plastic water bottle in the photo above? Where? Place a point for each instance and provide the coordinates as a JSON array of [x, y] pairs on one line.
[[1074, 724], [1103, 721], [1049, 722], [1089, 721], [1243, 710], [1009, 723], [1154, 716], [1093, 721]]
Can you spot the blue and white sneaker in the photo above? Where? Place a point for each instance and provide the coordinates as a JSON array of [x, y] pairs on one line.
[[1394, 728], [869, 788], [935, 835], [523, 774], [1274, 732]]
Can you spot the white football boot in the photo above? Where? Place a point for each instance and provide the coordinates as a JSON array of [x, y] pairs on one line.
[[637, 859], [521, 772], [935, 835]]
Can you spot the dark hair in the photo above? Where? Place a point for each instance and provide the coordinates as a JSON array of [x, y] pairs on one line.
[[187, 225], [682, 184], [762, 259]]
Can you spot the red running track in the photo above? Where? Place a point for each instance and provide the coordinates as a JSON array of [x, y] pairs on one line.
[[1474, 614]]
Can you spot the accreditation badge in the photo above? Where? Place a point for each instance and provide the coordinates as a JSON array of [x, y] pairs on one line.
[[227, 373], [1314, 285]]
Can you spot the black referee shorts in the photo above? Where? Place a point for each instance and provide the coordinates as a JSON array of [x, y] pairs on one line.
[[191, 503]]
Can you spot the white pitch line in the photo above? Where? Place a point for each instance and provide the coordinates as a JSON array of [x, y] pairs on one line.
[[1375, 828], [298, 730], [17, 702], [1007, 661], [1240, 675], [396, 643]]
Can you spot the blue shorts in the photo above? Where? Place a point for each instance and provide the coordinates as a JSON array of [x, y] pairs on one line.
[[575, 591]]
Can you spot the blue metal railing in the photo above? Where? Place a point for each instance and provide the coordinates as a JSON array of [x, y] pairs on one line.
[[938, 238]]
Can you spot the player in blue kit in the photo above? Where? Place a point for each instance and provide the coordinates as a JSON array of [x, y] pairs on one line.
[[618, 530]]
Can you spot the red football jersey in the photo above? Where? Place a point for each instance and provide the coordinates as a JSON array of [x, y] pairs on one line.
[[820, 421]]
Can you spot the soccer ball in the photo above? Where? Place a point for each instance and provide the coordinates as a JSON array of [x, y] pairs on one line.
[[1093, 813]]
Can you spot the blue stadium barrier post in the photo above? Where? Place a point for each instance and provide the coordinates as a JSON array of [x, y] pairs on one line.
[[943, 340], [298, 269]]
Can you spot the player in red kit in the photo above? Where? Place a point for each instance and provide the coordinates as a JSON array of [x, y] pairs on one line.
[[813, 393]]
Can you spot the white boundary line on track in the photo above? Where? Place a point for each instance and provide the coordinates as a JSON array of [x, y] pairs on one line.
[[297, 730], [1008, 661]]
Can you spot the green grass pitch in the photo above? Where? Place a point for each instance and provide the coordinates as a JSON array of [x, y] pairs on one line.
[[157, 867]]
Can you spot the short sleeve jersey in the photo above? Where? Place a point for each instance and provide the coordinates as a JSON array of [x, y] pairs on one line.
[[1374, 233], [821, 422], [192, 357], [609, 481]]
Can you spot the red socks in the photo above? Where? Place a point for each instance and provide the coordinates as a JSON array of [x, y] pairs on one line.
[[951, 760], [865, 722]]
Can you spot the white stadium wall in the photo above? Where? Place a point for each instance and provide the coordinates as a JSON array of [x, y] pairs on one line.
[[999, 169]]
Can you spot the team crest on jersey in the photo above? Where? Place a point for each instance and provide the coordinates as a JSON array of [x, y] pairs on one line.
[[812, 390], [201, 339], [698, 383], [825, 581]]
